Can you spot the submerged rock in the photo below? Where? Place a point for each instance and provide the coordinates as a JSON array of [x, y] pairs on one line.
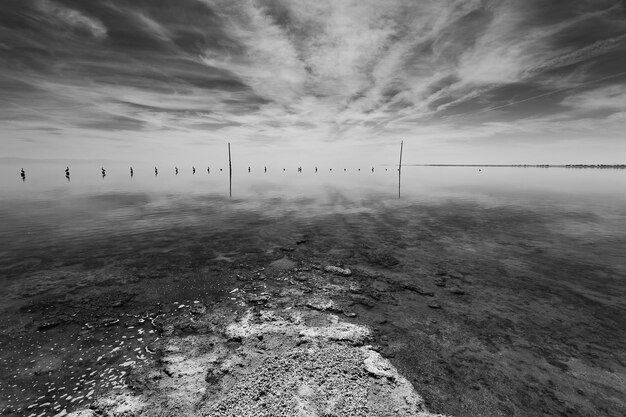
[[439, 281], [322, 304], [339, 271], [457, 291], [80, 413], [419, 290], [323, 377], [363, 300]]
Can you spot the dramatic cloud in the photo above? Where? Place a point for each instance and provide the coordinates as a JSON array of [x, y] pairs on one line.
[[449, 76]]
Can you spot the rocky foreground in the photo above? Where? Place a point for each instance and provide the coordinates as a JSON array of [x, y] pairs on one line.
[[280, 346]]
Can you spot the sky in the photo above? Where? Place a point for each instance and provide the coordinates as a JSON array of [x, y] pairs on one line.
[[469, 81]]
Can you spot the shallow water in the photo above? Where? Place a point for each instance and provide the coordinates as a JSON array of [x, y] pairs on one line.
[[538, 253]]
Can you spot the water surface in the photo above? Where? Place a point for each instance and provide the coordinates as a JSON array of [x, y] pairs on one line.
[[538, 254]]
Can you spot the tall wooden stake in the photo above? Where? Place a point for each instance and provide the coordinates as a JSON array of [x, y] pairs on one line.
[[230, 173], [400, 167]]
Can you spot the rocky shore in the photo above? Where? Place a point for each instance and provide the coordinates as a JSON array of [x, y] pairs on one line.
[[280, 345]]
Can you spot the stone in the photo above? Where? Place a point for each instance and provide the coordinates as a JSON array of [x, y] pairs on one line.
[[434, 304], [363, 300], [456, 290], [338, 271], [419, 290], [80, 413], [258, 299], [322, 304], [377, 366], [439, 281], [198, 309]]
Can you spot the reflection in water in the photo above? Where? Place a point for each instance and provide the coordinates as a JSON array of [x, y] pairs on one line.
[[400, 167], [399, 175], [230, 173], [275, 194]]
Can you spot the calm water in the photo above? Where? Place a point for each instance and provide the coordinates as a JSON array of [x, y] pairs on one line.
[[49, 220], [541, 253], [117, 203]]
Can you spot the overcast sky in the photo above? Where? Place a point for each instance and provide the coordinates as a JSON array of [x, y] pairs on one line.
[[459, 81]]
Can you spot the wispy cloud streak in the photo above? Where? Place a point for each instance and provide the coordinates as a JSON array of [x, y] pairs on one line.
[[291, 70]]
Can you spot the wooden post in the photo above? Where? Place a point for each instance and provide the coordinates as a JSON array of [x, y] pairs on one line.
[[230, 173], [400, 167]]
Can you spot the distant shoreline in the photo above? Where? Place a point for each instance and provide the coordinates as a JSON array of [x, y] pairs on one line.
[[599, 166]]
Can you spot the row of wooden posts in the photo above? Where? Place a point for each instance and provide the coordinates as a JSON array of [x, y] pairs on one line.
[[230, 169], [156, 171]]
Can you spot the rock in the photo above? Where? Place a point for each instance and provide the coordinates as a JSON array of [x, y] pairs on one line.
[[305, 368], [419, 290], [456, 290], [338, 271], [198, 309], [349, 314], [79, 413], [377, 366], [322, 304], [439, 281], [258, 299], [434, 304], [363, 300], [346, 332], [300, 241]]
